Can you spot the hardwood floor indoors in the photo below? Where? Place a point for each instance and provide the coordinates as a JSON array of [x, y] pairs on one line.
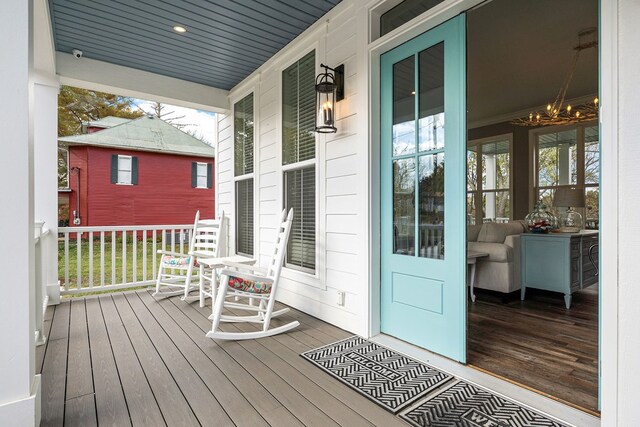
[[539, 343]]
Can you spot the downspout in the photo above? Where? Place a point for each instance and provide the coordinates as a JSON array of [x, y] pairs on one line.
[[76, 213]]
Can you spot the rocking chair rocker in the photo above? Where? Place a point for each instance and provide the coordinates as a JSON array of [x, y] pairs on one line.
[[176, 269], [258, 285]]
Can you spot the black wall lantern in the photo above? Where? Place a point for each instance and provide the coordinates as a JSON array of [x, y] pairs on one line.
[[329, 90]]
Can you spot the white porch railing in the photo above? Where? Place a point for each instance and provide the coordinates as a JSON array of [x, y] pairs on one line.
[[115, 257], [42, 297]]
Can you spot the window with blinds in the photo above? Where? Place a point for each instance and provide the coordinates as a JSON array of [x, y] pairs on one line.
[[244, 216], [299, 110], [243, 165], [243, 135], [300, 194]]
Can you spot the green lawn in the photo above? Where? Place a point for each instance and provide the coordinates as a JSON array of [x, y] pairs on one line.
[[85, 273]]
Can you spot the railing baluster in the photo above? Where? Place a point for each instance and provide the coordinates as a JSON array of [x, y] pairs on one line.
[[154, 249], [113, 257], [66, 260], [79, 260], [91, 259], [144, 255], [102, 258], [124, 257], [134, 253], [173, 240]]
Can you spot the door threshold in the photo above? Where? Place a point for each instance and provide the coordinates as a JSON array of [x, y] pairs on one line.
[[569, 414]]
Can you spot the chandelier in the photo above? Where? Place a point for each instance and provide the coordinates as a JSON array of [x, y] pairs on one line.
[[557, 113]]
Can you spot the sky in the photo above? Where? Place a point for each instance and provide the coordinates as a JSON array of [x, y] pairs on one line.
[[201, 123]]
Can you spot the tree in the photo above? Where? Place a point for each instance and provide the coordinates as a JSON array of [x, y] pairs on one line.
[[77, 106]]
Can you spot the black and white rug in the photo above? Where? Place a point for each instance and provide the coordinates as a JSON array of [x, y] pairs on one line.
[[466, 405], [390, 379]]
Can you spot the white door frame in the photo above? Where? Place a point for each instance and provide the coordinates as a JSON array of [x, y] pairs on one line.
[[608, 182]]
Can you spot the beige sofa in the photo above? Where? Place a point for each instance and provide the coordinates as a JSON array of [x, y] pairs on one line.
[[500, 271]]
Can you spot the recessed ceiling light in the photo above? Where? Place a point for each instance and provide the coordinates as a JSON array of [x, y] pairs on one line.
[[179, 29]]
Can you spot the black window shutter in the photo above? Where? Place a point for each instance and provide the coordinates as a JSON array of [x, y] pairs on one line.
[[134, 170], [209, 175], [114, 168], [194, 174]]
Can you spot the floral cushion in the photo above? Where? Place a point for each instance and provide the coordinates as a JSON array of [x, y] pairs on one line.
[[249, 285], [177, 262]]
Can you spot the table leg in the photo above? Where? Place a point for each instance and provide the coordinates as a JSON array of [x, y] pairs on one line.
[[567, 301]]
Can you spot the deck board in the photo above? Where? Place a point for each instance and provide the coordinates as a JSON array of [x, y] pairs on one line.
[[55, 367], [135, 386], [151, 364], [111, 407]]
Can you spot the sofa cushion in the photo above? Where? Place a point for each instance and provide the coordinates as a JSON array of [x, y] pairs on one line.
[[493, 232], [498, 252], [472, 232]]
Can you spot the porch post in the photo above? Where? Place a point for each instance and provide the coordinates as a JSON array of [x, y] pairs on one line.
[[19, 386], [45, 133]]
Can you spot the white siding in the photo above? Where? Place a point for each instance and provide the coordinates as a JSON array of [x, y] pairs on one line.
[[224, 176], [339, 38]]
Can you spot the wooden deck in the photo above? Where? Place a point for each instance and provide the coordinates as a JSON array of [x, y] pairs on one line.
[[128, 359]]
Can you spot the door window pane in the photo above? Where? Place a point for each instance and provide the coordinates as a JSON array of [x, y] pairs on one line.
[[431, 182], [404, 221], [431, 118], [404, 129]]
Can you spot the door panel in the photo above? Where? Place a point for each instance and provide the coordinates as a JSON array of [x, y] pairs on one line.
[[423, 260]]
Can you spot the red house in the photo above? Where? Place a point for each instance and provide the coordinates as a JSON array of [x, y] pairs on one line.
[[138, 172]]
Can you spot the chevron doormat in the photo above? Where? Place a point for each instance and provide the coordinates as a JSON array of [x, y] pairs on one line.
[[384, 376], [466, 405]]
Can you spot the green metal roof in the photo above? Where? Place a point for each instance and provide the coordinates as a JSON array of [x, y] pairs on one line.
[[147, 133], [107, 122]]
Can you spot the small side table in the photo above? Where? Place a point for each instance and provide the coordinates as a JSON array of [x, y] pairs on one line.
[[213, 264], [472, 257]]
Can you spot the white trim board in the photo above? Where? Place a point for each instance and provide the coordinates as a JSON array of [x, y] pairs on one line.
[[105, 77]]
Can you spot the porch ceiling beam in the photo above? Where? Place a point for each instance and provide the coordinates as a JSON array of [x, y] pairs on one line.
[[106, 77]]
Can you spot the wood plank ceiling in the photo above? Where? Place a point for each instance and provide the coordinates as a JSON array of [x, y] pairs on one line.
[[225, 40]]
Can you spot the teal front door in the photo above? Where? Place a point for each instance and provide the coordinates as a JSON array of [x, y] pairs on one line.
[[423, 222]]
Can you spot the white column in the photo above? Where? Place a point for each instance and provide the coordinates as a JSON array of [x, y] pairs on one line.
[[45, 135], [628, 227], [19, 386]]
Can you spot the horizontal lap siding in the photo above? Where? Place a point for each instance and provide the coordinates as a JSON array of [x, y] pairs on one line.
[[163, 194], [224, 177], [341, 169]]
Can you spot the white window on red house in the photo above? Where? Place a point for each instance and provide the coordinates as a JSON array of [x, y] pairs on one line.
[[124, 169], [201, 175]]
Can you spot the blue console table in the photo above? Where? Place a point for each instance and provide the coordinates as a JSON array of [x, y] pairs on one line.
[[558, 262]]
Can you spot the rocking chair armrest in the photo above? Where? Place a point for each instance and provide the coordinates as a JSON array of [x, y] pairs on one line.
[[160, 251], [246, 276]]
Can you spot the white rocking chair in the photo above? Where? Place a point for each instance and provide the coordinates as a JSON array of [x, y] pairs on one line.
[[259, 285], [176, 269]]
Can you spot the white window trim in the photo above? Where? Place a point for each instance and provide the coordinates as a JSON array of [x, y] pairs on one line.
[[316, 279], [481, 141], [120, 157], [206, 175]]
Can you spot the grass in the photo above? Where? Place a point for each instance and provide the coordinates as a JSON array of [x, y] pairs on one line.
[[110, 262]]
